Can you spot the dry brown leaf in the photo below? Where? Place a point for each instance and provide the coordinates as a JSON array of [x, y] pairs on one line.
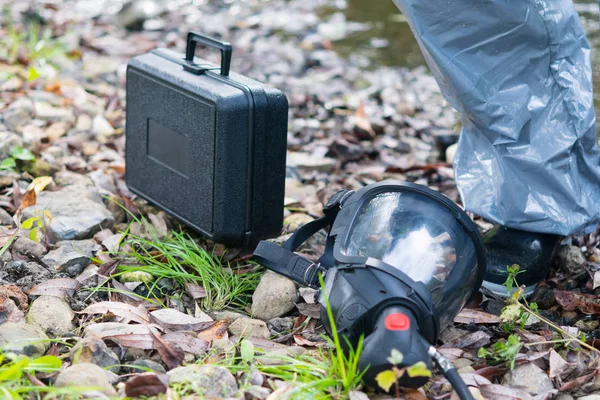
[[217, 331], [473, 340], [137, 336], [16, 294], [467, 316], [364, 130], [108, 268], [451, 353], [195, 291], [187, 341], [411, 394], [557, 364], [60, 287], [125, 311], [579, 382], [499, 392], [587, 304], [39, 184], [304, 342], [176, 320], [147, 384], [29, 200], [310, 310], [171, 355]]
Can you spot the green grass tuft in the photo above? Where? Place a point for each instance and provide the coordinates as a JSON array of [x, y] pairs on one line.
[[178, 257]]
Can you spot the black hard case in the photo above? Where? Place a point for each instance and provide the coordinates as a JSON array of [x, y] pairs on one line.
[[205, 145]]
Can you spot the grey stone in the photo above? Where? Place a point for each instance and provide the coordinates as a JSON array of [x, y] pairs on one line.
[[308, 162], [26, 274], [226, 315], [28, 247], [249, 327], [68, 178], [590, 397], [275, 296], [52, 314], [88, 375], [257, 392], [19, 114], [570, 258], [47, 112], [10, 312], [21, 338], [209, 381], [528, 377], [563, 396], [280, 324], [148, 365], [5, 218], [69, 253], [93, 350], [77, 212], [8, 140]]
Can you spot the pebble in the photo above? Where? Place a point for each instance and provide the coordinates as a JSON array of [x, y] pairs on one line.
[[282, 325], [25, 274], [47, 112], [590, 397], [70, 254], [249, 327], [52, 314], [85, 374], [28, 247], [307, 162], [9, 312], [77, 212], [21, 338], [274, 296], [19, 114], [93, 350], [5, 218], [528, 377], [147, 365], [8, 140], [226, 314], [570, 258], [209, 381]]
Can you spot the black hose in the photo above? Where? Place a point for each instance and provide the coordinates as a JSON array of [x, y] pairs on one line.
[[458, 384], [451, 374]]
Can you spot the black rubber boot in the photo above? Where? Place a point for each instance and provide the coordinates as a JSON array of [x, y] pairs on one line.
[[532, 251]]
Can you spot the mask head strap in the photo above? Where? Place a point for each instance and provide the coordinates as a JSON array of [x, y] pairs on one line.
[[284, 261]]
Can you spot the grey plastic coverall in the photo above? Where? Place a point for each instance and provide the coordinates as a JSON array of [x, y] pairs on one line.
[[519, 71]]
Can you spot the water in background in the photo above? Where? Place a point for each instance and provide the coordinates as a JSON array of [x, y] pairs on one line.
[[387, 39]]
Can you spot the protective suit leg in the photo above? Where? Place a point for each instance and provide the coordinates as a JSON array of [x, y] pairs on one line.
[[519, 71]]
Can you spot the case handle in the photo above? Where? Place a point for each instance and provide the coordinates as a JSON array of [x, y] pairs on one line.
[[193, 38]]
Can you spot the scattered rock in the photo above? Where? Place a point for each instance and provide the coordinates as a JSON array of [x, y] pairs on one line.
[[19, 114], [209, 381], [93, 350], [68, 178], [570, 258], [47, 112], [88, 375], [249, 327], [451, 153], [563, 396], [146, 365], [72, 256], [5, 218], [275, 296], [307, 162], [52, 314], [24, 274], [296, 220], [9, 312], [528, 377], [21, 338], [77, 212], [28, 247], [101, 126], [226, 315], [8, 140], [258, 392], [281, 325]]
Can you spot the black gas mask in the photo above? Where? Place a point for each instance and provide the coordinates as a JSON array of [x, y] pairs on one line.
[[400, 262]]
